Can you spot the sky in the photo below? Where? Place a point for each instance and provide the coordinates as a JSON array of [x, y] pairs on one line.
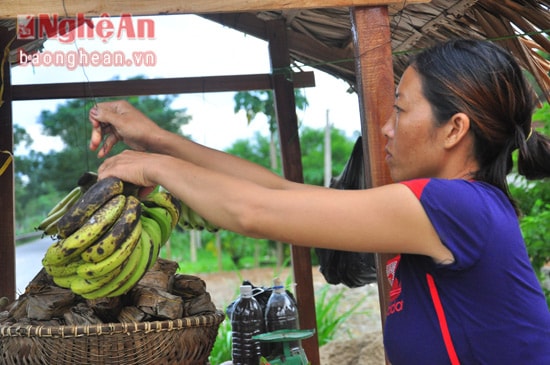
[[178, 46]]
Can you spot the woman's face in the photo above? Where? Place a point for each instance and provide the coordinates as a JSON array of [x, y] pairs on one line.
[[412, 148]]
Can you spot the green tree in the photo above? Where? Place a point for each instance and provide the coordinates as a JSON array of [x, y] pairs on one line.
[[533, 199], [43, 178], [70, 123], [263, 102], [312, 147]]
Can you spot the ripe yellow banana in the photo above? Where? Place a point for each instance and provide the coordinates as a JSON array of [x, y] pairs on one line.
[[162, 217], [167, 201], [144, 262], [152, 228], [117, 234], [93, 199], [68, 249], [90, 270], [62, 270], [128, 269], [82, 286]]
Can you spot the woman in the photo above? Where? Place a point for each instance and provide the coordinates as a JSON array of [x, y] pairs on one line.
[[463, 289]]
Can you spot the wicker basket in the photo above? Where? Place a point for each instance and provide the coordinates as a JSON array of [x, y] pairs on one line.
[[186, 341]]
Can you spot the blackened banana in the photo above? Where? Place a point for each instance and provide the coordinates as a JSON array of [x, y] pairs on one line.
[[117, 234], [97, 195]]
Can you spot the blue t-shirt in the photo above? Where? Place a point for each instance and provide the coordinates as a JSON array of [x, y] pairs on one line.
[[492, 303]]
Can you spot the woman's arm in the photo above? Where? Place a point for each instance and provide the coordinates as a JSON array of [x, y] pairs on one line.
[[384, 219], [120, 121]]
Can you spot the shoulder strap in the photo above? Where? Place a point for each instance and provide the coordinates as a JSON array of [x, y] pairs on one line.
[[442, 321]]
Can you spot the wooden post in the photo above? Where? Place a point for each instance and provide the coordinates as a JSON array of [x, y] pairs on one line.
[[376, 88], [7, 195], [285, 107]]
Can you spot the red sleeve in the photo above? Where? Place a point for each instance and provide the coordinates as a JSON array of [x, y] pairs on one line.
[[417, 186]]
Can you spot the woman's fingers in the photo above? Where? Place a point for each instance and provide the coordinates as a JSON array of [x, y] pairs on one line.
[[95, 139]]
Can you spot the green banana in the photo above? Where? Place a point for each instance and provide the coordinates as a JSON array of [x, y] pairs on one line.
[[70, 248], [152, 228], [128, 269], [82, 286], [117, 234], [196, 221], [71, 197], [49, 224], [184, 216], [64, 281], [167, 201], [93, 199], [61, 270], [144, 263], [210, 227], [163, 218], [96, 269], [51, 229]]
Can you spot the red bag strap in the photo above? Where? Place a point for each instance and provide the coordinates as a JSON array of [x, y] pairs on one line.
[[442, 321]]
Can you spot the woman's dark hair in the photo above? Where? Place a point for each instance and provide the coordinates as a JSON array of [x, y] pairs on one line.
[[485, 82]]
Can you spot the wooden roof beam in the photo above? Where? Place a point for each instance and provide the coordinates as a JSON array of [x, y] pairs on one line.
[[182, 85], [11, 9], [248, 23]]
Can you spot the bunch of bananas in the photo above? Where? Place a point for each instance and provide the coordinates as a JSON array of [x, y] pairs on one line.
[[107, 239], [49, 225], [189, 219]]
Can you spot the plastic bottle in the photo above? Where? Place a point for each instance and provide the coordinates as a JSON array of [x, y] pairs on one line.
[[247, 320], [281, 313]]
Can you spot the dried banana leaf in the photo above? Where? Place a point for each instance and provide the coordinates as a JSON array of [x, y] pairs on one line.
[[201, 304], [107, 309], [50, 303], [167, 266], [187, 286], [155, 279], [42, 281], [5, 318], [132, 314], [158, 303], [81, 314], [18, 308]]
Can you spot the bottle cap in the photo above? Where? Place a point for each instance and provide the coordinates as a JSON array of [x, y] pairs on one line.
[[246, 290], [278, 285]]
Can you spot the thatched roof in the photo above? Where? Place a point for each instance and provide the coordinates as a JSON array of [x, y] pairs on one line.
[[323, 38]]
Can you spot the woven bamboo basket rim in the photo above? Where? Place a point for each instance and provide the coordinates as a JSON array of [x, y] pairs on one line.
[[100, 329]]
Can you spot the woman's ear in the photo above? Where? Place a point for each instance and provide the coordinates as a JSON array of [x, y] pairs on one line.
[[456, 130]]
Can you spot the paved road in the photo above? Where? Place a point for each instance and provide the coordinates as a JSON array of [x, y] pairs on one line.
[[28, 261]]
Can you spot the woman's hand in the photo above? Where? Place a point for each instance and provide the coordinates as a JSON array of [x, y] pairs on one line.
[[119, 121], [130, 166]]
